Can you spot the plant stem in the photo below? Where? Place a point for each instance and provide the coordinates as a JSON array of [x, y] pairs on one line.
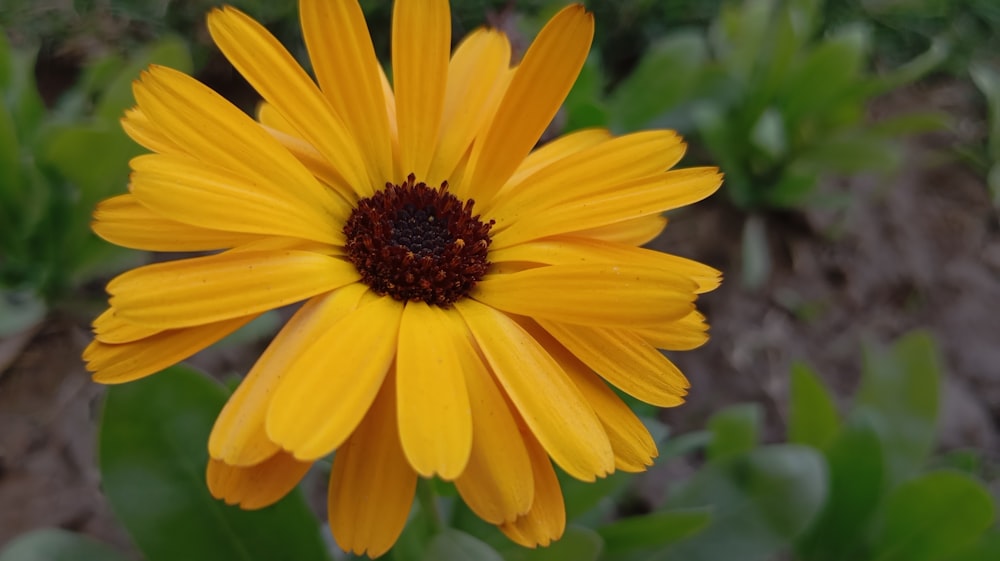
[[428, 503]]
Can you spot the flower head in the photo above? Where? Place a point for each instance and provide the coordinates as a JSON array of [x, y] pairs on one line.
[[468, 298]]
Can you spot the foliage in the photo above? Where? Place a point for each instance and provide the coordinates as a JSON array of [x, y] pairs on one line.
[[56, 163]]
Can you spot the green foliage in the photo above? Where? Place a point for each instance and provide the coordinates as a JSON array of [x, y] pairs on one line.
[[55, 165], [775, 99], [153, 456]]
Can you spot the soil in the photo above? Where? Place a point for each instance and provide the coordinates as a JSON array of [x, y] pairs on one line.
[[918, 250]]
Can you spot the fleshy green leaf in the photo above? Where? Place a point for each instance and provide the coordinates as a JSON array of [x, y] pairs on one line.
[[812, 416], [987, 548], [452, 545], [53, 544], [735, 431], [933, 517], [655, 530], [899, 396], [665, 76], [856, 474], [760, 502], [153, 455]]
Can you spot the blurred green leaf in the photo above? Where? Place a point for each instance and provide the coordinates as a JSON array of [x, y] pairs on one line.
[[760, 502], [581, 497], [684, 444], [768, 134], [812, 418], [933, 517], [756, 252], [10, 159], [856, 483], [993, 181], [824, 75], [735, 431], [792, 190], [654, 530], [583, 105], [665, 76], [52, 544], [415, 539], [899, 395], [576, 544], [849, 152], [987, 548], [453, 545], [153, 455], [910, 123]]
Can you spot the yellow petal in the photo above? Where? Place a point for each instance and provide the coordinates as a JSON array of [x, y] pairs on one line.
[[477, 75], [421, 43], [689, 332], [140, 129], [546, 521], [589, 172], [215, 131], [315, 162], [207, 196], [332, 382], [347, 70], [279, 79], [116, 364], [633, 446], [632, 232], [555, 151], [109, 328], [598, 294], [206, 289], [268, 116], [538, 88], [548, 401], [625, 360], [497, 483], [239, 436], [123, 221], [435, 423], [618, 203], [258, 486], [371, 485], [571, 250]]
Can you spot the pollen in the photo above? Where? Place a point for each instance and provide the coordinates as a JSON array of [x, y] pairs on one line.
[[415, 242]]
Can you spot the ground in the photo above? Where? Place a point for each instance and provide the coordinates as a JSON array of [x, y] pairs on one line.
[[917, 250]]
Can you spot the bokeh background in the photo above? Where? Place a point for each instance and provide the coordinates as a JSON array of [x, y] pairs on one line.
[[857, 230]]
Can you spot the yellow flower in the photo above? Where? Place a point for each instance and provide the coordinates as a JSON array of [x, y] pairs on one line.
[[467, 299]]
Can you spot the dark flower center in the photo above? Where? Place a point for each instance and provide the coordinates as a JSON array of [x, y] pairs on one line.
[[414, 242]]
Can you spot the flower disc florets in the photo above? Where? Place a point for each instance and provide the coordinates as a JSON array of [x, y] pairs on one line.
[[414, 242]]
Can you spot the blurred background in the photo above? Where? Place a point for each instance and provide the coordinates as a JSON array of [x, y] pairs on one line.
[[857, 230]]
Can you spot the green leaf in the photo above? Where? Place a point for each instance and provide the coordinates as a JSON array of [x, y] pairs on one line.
[[452, 545], [153, 455], [735, 431], [910, 123], [576, 544], [416, 537], [812, 418], [760, 502], [986, 548], [655, 530], [849, 152], [583, 105], [53, 544], [899, 395], [768, 134], [825, 75], [756, 252], [582, 497], [665, 77], [856, 485], [987, 79], [10, 160], [933, 517]]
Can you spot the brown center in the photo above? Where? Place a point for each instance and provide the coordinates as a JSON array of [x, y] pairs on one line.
[[414, 242]]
